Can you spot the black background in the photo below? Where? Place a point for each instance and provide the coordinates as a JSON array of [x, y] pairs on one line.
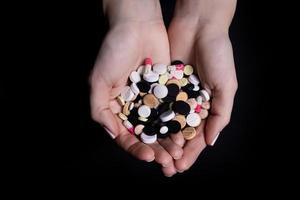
[[52, 97]]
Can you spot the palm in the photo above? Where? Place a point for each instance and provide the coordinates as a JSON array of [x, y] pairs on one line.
[[123, 50], [212, 57]]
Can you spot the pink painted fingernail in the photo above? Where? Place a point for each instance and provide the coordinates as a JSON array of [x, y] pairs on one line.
[[110, 133], [213, 142]]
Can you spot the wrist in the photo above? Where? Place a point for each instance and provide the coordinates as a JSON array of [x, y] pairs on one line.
[[205, 15], [132, 11]]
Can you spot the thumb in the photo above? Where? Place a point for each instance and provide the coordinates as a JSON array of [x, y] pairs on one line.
[[219, 117], [100, 110]]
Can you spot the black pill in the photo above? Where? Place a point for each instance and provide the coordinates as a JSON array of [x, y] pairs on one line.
[[143, 86], [153, 115], [176, 62], [154, 112], [169, 99], [173, 90], [138, 97], [188, 87], [133, 116], [173, 126], [181, 107], [150, 130], [163, 107]]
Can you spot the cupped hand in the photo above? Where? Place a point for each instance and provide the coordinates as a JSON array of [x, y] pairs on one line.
[[125, 47], [209, 50]]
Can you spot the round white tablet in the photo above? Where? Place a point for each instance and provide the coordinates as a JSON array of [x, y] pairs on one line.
[[193, 119], [194, 79], [134, 88], [141, 69], [167, 116], [163, 129], [127, 94], [144, 111], [160, 68], [171, 68], [152, 86], [199, 100], [135, 77], [151, 77], [178, 74], [160, 91], [196, 88], [148, 139], [204, 95]]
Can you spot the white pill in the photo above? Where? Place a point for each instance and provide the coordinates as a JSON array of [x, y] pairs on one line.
[[163, 129], [148, 139], [134, 88], [193, 119], [160, 91], [152, 86], [171, 68], [127, 94], [141, 69], [194, 79], [199, 100], [131, 106], [135, 77], [196, 88], [160, 68], [147, 69], [151, 77], [178, 74], [127, 124], [144, 111], [167, 116], [204, 95]]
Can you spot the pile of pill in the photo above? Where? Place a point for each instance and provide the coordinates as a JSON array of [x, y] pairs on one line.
[[161, 100]]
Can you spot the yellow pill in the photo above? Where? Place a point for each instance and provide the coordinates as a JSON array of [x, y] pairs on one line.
[[188, 70], [174, 81], [163, 79], [181, 120], [183, 82], [121, 101], [126, 109], [122, 116], [189, 133], [182, 96]]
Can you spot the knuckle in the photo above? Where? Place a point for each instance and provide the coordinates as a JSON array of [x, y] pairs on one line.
[[183, 165]]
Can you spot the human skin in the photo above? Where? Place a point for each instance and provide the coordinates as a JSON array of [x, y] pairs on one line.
[[198, 35], [136, 32]]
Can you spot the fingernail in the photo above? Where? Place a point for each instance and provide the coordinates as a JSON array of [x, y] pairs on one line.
[[150, 160], [169, 175], [177, 157], [213, 142], [166, 165], [110, 133], [180, 171]]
